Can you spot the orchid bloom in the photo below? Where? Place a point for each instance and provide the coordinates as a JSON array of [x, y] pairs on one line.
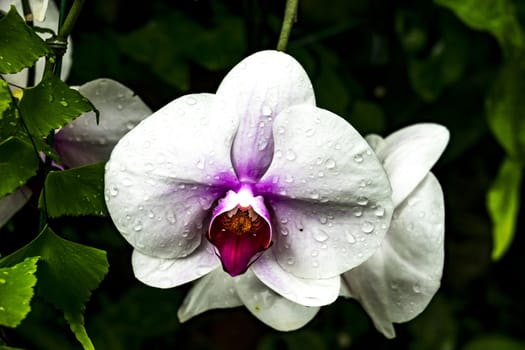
[[45, 15], [399, 280], [255, 184], [82, 141]]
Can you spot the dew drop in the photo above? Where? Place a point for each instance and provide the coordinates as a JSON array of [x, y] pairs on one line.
[[262, 145], [130, 126], [261, 125], [315, 253], [350, 237], [330, 163], [290, 261], [362, 200], [171, 218], [323, 220], [358, 158], [290, 155], [315, 263], [64, 103], [320, 236], [284, 231], [113, 191], [120, 107], [200, 164], [148, 166], [367, 227], [314, 195], [309, 132], [266, 111], [191, 101], [289, 179], [380, 211], [137, 227], [416, 288], [394, 286]]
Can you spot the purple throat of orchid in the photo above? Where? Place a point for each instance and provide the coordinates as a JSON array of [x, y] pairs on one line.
[[240, 229]]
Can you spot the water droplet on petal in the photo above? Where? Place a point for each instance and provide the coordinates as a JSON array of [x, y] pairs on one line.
[[362, 200], [314, 195], [191, 101], [113, 191], [380, 211], [358, 158], [290, 261], [281, 130], [323, 220], [290, 155], [120, 107], [137, 227], [309, 132], [350, 237], [320, 236], [394, 286], [315, 253], [315, 263], [200, 164], [367, 227], [416, 288], [266, 111], [262, 145], [288, 178], [130, 126], [330, 163], [171, 218], [148, 166]]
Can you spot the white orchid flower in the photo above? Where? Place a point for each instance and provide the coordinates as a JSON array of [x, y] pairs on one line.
[[285, 196], [45, 15], [82, 141], [399, 280]]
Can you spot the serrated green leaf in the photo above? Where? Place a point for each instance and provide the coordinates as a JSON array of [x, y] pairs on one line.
[[20, 46], [504, 108], [497, 17], [78, 191], [67, 275], [16, 291], [503, 204], [8, 116], [18, 162], [50, 105]]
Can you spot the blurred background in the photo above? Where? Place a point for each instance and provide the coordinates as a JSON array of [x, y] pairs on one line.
[[382, 65]]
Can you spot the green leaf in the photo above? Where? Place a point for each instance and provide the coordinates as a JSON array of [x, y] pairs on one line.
[[8, 116], [503, 204], [50, 105], [16, 291], [497, 17], [504, 108], [67, 275], [368, 117], [18, 162], [20, 46], [78, 191]]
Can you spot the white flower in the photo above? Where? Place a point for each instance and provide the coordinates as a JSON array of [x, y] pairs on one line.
[[400, 279], [257, 179], [82, 141]]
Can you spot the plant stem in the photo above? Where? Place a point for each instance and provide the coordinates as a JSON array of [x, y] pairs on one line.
[[290, 13], [71, 19]]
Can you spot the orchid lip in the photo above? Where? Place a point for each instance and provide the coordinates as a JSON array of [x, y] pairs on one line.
[[240, 230]]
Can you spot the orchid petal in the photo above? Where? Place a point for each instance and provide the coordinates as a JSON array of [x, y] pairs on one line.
[[216, 290], [168, 273], [165, 174], [409, 154], [400, 279], [307, 292], [39, 9], [12, 203], [330, 194], [269, 307], [82, 141], [255, 91], [50, 10]]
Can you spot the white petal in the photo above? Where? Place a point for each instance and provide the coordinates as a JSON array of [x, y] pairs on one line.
[[12, 203], [409, 154], [82, 141], [271, 308], [375, 141], [168, 273], [215, 290], [255, 91], [329, 192], [50, 22], [399, 280], [165, 174], [307, 292], [39, 9]]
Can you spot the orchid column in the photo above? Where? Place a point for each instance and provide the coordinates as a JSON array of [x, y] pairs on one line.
[[255, 179]]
